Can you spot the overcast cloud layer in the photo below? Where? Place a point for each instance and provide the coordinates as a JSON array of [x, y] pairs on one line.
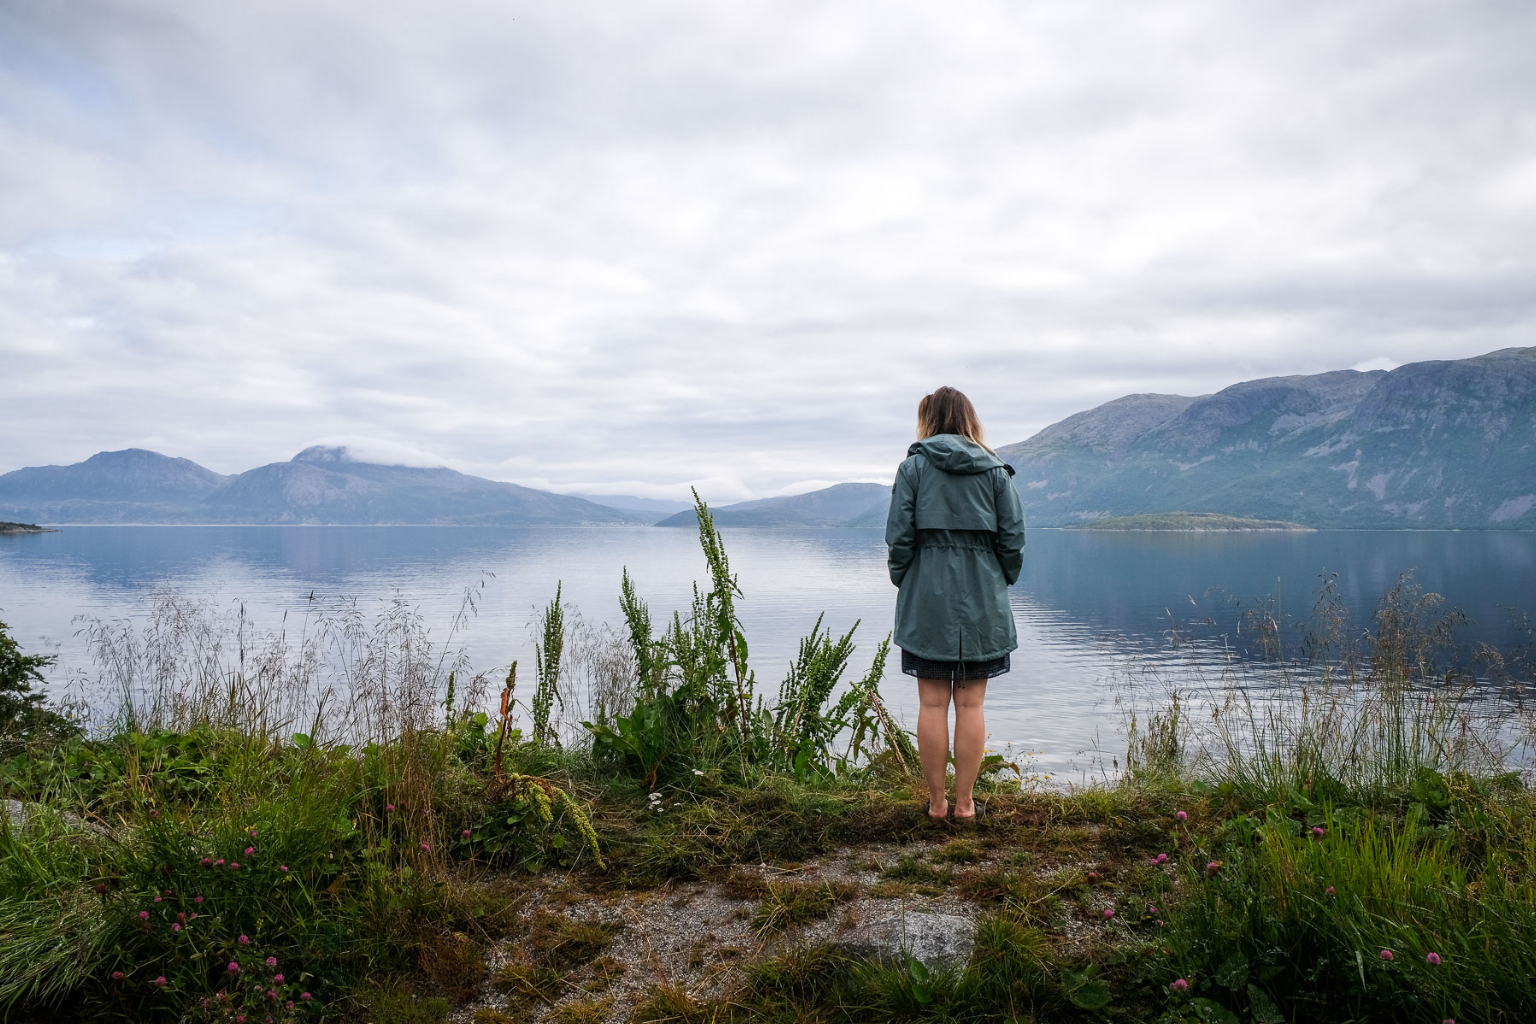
[[628, 246]]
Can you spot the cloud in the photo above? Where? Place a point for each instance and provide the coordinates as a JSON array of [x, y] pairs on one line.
[[665, 243], [380, 452]]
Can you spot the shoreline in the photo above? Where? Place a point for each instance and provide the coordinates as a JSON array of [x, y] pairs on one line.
[[22, 529], [1071, 528]]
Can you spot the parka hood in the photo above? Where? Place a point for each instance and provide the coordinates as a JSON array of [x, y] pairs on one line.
[[956, 454]]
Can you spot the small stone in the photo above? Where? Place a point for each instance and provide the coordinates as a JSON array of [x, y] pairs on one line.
[[937, 941], [14, 811]]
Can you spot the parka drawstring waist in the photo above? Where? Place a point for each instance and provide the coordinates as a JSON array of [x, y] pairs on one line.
[[972, 540]]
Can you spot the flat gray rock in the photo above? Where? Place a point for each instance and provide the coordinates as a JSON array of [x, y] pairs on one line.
[[937, 941], [16, 815]]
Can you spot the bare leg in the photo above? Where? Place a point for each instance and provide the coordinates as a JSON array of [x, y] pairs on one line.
[[933, 740], [970, 738]]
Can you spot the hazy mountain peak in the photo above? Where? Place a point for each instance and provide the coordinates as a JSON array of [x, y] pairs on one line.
[[322, 484], [325, 453], [127, 475], [368, 452], [837, 505], [124, 455], [126, 462]]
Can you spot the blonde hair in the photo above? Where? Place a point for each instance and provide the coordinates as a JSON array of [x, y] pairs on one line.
[[948, 411]]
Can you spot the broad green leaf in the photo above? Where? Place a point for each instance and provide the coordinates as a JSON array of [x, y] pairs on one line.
[[1213, 1013], [1233, 972], [1431, 789], [1264, 1009], [1091, 995]]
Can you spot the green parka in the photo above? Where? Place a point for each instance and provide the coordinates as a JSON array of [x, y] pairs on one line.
[[955, 534]]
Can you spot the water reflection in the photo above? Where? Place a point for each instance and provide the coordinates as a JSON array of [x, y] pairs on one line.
[[1093, 609]]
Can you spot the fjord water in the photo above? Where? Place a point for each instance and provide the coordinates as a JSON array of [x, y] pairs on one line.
[[1097, 612]]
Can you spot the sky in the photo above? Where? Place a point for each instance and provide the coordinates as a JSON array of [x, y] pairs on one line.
[[633, 247]]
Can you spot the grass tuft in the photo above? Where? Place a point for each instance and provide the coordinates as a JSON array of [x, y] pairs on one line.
[[671, 1004], [455, 964], [580, 1012], [398, 1003], [791, 903], [917, 872], [956, 851]]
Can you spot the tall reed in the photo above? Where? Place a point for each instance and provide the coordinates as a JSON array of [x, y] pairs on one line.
[[1363, 710], [548, 652]]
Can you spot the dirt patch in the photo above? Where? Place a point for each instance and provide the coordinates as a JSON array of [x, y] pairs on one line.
[[586, 956]]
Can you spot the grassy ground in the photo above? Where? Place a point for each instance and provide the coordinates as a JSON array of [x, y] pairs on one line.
[[355, 877]]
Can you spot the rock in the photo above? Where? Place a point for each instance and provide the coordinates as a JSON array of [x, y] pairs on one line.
[[937, 941], [14, 812], [15, 815]]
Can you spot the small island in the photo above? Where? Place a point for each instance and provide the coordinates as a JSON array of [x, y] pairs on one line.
[[1189, 522], [7, 529]]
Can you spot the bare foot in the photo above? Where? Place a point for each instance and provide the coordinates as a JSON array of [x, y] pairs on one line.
[[969, 805], [943, 814]]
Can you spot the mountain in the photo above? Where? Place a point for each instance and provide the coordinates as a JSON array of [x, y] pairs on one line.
[[831, 506], [630, 503], [318, 486], [1441, 444], [128, 486], [1436, 444]]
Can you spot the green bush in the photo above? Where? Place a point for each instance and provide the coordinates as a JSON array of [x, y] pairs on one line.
[[697, 709], [25, 720]]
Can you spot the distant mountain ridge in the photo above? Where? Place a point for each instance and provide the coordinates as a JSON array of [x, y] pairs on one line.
[[133, 474], [632, 503], [1441, 444], [320, 485], [838, 505], [1436, 444]]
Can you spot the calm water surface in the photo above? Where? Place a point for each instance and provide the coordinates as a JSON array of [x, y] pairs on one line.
[[1093, 609]]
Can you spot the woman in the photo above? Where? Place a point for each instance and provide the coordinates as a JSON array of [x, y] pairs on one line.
[[956, 539]]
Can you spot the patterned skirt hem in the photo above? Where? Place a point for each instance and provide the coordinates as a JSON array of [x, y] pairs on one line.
[[954, 671]]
